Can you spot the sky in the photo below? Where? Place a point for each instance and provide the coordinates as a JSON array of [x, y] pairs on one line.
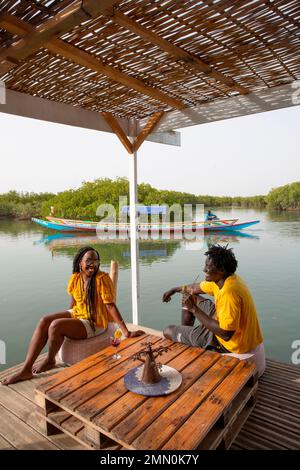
[[243, 156]]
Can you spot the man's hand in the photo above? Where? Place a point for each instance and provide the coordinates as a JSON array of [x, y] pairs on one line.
[[190, 303], [168, 295], [191, 290], [134, 334]]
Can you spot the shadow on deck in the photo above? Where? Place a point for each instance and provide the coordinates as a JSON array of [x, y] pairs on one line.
[[274, 423]]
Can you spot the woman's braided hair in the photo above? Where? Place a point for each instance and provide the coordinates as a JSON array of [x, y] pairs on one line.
[[223, 258], [91, 287]]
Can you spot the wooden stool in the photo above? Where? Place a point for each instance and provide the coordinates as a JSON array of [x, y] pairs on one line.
[[74, 350]]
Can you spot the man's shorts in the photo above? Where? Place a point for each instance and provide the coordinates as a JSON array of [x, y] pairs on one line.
[[199, 336]]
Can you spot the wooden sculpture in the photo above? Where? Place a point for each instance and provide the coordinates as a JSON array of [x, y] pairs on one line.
[[151, 373]]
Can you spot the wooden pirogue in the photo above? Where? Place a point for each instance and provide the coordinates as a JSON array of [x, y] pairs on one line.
[[72, 226]]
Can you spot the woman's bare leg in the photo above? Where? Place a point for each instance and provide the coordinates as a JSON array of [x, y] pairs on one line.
[[37, 343], [58, 330]]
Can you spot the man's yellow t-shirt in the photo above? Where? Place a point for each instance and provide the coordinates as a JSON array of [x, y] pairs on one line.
[[235, 311], [105, 294]]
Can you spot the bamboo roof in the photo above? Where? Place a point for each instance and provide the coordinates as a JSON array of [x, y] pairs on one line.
[[136, 58]]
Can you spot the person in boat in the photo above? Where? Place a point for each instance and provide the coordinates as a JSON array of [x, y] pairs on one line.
[[230, 324], [211, 216], [92, 303]]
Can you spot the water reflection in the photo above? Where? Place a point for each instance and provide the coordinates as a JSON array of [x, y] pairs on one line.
[[284, 224], [283, 216], [265, 262], [225, 237], [119, 250], [17, 228], [150, 250]]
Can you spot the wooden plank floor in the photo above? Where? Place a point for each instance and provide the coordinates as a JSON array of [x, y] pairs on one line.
[[274, 423]]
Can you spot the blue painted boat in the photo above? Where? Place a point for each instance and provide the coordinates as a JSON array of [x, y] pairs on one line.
[[234, 227], [64, 225], [59, 227]]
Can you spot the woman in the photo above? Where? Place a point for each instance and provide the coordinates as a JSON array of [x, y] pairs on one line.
[[92, 304]]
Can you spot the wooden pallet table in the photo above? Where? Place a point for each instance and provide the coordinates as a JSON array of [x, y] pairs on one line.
[[89, 401]]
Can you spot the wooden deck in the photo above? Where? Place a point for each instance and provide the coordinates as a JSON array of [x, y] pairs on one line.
[[274, 423]]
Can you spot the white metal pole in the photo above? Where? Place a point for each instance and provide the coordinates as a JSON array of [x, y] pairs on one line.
[[134, 246]]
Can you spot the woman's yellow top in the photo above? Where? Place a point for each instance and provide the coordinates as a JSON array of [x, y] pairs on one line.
[[105, 294]]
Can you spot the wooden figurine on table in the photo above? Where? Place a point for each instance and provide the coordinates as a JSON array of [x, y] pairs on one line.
[[151, 373]]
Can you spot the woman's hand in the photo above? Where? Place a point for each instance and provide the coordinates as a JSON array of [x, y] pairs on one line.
[[134, 334], [168, 295]]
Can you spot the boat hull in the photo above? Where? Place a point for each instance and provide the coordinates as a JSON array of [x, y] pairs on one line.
[[124, 228]]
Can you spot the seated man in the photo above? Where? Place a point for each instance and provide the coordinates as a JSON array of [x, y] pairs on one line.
[[211, 216], [230, 325]]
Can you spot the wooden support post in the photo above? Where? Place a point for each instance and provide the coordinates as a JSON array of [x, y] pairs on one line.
[[134, 246], [147, 129], [132, 144], [45, 427], [117, 129], [92, 437], [129, 144], [113, 274]]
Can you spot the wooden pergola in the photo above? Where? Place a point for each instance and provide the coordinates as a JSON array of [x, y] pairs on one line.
[[143, 69]]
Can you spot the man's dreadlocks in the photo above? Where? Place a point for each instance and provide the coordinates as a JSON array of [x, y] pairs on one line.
[[223, 258]]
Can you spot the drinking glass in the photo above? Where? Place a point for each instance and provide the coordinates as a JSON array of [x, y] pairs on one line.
[[115, 342]]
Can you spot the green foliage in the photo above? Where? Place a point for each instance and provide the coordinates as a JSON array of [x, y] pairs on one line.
[[82, 203], [22, 205], [258, 202], [285, 197]]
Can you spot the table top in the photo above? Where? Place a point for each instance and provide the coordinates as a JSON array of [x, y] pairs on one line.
[[93, 391]]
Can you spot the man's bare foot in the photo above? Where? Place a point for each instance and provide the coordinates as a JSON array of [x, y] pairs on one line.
[[18, 377], [43, 366]]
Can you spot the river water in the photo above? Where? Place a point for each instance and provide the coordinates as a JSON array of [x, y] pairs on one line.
[[36, 266]]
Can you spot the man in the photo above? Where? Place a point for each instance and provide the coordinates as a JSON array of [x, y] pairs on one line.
[[230, 325], [211, 216]]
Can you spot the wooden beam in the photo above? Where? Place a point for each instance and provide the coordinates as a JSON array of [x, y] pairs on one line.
[[6, 65], [143, 134], [14, 25], [33, 107], [64, 21], [279, 97], [87, 60], [147, 129], [116, 128], [175, 51], [84, 59]]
